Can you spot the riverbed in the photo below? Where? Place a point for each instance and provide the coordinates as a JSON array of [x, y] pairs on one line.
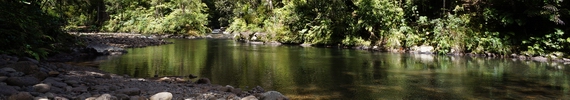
[[336, 73]]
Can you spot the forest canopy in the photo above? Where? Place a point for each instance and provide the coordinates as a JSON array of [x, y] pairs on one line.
[[529, 27]]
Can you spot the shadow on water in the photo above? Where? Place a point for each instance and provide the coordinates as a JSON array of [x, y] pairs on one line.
[[330, 73]]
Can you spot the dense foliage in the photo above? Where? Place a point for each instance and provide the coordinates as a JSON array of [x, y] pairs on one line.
[[26, 30], [157, 16], [531, 27]]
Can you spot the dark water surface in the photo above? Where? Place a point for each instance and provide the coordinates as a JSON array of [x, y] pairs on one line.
[[330, 73]]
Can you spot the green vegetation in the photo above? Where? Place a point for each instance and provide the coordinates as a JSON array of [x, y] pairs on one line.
[[157, 17], [530, 27], [534, 27], [28, 31]]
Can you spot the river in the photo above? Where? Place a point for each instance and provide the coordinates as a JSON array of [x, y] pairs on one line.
[[332, 73]]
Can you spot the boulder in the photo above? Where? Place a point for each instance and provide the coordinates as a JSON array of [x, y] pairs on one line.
[[22, 81], [203, 81], [130, 91], [42, 88], [7, 90], [162, 96], [273, 95], [21, 96]]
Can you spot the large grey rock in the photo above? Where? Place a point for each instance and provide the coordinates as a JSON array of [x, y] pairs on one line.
[[21, 96], [22, 81], [162, 96], [42, 88], [273, 95], [7, 90], [130, 91]]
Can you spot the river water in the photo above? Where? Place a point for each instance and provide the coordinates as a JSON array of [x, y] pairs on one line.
[[332, 73]]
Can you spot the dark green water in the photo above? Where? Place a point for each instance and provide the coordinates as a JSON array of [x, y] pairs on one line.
[[330, 73]]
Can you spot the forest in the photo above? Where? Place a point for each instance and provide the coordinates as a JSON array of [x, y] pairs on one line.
[[527, 27]]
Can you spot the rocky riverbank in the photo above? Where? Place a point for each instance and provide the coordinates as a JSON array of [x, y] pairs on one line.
[[113, 43], [24, 78]]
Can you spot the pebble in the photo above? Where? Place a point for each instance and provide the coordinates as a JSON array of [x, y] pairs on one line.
[[8, 69], [53, 73], [162, 96], [249, 98], [130, 91], [40, 98], [273, 95], [7, 90], [21, 96], [2, 78], [42, 87], [22, 81], [106, 97]]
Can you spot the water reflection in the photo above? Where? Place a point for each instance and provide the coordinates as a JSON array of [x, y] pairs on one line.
[[329, 73]]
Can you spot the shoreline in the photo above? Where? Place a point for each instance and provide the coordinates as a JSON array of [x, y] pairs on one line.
[[23, 78]]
